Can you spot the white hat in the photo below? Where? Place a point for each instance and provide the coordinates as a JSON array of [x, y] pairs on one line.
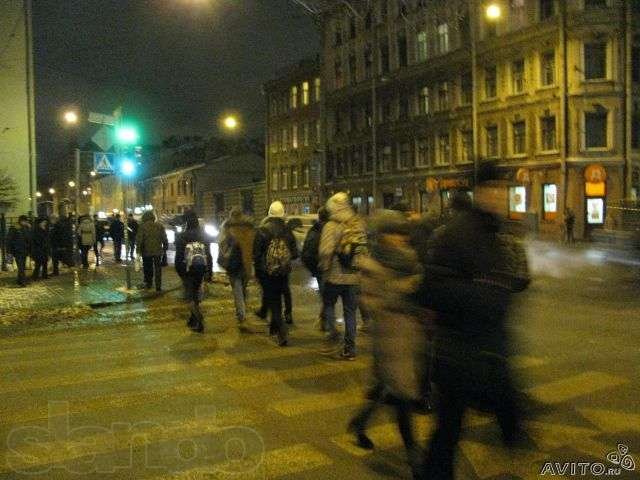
[[276, 209]]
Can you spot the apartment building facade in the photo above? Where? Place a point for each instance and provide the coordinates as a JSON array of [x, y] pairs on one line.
[[294, 137], [547, 89]]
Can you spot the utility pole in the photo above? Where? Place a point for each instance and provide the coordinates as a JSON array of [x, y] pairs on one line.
[[76, 157], [374, 139]]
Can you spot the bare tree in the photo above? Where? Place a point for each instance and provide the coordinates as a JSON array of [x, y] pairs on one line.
[[8, 191]]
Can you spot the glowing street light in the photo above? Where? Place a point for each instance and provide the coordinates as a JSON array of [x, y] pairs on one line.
[[71, 183], [52, 191], [92, 173], [230, 122], [85, 193], [493, 11], [128, 168], [38, 194], [71, 117], [127, 135]]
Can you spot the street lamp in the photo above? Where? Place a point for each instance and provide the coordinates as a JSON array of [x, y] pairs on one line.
[[493, 11], [85, 193], [71, 117], [230, 122], [92, 173], [52, 191], [71, 183], [38, 194]]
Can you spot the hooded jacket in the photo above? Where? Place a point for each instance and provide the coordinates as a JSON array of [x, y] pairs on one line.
[[270, 228], [340, 213], [151, 239], [87, 232], [40, 247], [244, 233]]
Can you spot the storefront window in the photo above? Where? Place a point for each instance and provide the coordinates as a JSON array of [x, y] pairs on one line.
[[595, 211], [517, 201], [550, 201]]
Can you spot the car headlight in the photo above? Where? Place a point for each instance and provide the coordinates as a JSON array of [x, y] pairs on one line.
[[211, 230], [171, 236]]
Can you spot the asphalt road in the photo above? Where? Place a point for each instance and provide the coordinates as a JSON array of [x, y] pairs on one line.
[[129, 393]]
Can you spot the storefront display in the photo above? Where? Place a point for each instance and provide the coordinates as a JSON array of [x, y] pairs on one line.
[[595, 211], [550, 201], [517, 202]]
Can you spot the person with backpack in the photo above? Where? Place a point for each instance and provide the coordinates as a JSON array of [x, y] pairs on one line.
[[235, 256], [310, 257], [342, 242], [19, 245], [274, 249], [193, 263], [152, 242], [86, 239]]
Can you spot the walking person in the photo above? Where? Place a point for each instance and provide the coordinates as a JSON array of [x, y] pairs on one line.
[[569, 224], [274, 249], [61, 241], [19, 245], [132, 228], [116, 230], [152, 242], [310, 255], [469, 284], [40, 249], [86, 239], [194, 264], [98, 246], [235, 256], [342, 242], [389, 279]]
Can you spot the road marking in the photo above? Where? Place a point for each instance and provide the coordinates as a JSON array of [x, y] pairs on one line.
[[38, 450], [575, 386], [611, 421], [255, 379], [275, 463], [318, 402], [489, 461], [550, 436], [524, 361]]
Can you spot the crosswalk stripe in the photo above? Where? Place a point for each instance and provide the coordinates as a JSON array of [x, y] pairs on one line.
[[524, 361], [489, 461], [611, 421], [33, 453], [277, 463], [268, 378], [575, 386], [549, 436], [319, 402]]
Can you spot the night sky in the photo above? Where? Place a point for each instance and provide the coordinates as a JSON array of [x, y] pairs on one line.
[[174, 65]]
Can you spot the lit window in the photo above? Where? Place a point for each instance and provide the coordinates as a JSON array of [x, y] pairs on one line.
[[422, 152], [294, 178], [444, 150], [595, 211], [550, 201], [294, 97], [421, 51], [316, 89], [305, 93], [595, 60], [285, 179], [423, 106], [517, 201], [294, 136], [305, 134], [305, 175], [274, 179], [443, 96], [443, 38]]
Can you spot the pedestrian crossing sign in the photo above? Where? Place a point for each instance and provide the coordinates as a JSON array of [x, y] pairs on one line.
[[103, 162]]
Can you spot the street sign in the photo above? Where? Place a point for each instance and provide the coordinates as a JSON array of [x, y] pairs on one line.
[[103, 162], [103, 138], [102, 119]]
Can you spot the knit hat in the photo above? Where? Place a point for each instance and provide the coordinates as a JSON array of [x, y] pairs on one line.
[[338, 203], [276, 209]]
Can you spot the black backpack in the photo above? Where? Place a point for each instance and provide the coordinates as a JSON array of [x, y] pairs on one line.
[[230, 254], [310, 250]]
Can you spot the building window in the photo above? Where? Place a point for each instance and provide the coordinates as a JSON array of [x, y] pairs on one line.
[[422, 152], [338, 73], [421, 46], [595, 211], [338, 34], [517, 76], [635, 63], [548, 68], [443, 38], [352, 27], [595, 60], [595, 4], [274, 179], [294, 97], [352, 69], [386, 160], [548, 133], [340, 163], [285, 179], [517, 14], [318, 131], [519, 131], [337, 123], [550, 201], [404, 156], [294, 178], [517, 201], [305, 175], [305, 93], [305, 134], [443, 96], [356, 160], [330, 166], [285, 139], [635, 127], [491, 132], [444, 149], [466, 93], [368, 61], [294, 136], [316, 88], [368, 158], [490, 82], [595, 129], [384, 56], [368, 20], [466, 150], [423, 101], [547, 9], [403, 106], [403, 50]]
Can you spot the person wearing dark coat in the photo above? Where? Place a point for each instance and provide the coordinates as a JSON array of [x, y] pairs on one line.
[[274, 229], [116, 230], [19, 245], [152, 242], [193, 238], [132, 227], [310, 254], [61, 241], [98, 245], [40, 248], [469, 281]]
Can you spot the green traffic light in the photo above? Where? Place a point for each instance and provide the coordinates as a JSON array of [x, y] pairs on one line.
[[127, 135]]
